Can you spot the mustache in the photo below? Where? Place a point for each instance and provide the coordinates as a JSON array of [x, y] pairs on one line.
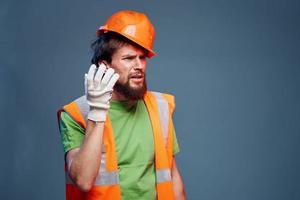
[[139, 73]]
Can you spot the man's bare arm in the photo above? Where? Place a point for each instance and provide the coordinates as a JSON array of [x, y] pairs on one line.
[[84, 162]]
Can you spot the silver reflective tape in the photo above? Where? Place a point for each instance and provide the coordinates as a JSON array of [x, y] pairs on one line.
[[83, 106], [107, 178], [163, 175], [103, 163], [103, 178], [163, 109]]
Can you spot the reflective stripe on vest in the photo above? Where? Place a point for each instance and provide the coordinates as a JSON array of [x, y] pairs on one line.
[[163, 110], [83, 106], [163, 175]]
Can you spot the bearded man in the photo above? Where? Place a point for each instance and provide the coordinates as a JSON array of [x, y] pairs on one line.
[[118, 138]]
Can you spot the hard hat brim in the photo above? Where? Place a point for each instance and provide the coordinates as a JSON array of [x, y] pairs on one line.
[[150, 53]]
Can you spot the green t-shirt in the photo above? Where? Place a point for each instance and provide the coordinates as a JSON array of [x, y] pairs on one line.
[[134, 145]]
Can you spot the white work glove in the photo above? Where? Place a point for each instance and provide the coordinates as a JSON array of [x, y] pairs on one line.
[[99, 85]]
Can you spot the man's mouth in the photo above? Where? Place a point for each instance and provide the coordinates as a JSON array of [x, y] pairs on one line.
[[137, 77]]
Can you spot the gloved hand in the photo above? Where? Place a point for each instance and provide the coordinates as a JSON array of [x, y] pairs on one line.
[[99, 85]]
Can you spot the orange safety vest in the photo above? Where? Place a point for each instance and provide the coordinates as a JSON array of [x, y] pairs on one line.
[[106, 186]]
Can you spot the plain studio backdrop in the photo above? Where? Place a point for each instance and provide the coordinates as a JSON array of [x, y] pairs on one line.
[[233, 66]]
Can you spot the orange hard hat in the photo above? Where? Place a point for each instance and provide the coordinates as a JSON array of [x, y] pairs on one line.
[[133, 25]]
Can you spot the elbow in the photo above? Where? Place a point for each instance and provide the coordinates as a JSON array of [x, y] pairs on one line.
[[84, 186], [82, 181]]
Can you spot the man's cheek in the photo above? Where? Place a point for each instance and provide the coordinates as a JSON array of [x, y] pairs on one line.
[[122, 80]]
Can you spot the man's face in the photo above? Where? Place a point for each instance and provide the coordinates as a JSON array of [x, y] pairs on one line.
[[130, 63]]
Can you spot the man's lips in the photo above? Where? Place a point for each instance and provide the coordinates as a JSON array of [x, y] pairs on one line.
[[137, 76]]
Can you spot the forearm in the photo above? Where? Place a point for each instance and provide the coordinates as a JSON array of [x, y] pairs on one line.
[[178, 188], [86, 162], [177, 183]]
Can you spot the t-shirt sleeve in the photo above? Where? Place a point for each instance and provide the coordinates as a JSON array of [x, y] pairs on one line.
[[176, 148], [72, 134]]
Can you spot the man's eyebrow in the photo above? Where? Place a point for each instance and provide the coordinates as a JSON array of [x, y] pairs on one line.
[[128, 55]]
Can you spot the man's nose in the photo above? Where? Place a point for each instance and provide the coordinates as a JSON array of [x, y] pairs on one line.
[[138, 63]]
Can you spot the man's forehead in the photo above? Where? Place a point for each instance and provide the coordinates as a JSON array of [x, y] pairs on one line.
[[131, 50]]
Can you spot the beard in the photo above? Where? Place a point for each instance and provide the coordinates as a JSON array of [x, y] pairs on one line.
[[131, 93]]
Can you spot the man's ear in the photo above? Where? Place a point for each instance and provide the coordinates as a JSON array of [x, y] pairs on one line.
[[105, 63]]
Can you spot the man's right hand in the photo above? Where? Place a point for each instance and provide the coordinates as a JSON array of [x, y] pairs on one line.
[[99, 85]]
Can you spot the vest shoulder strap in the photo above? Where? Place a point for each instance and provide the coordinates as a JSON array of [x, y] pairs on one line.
[[168, 97], [78, 110], [166, 106]]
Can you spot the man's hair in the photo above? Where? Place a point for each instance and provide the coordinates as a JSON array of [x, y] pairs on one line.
[[106, 45]]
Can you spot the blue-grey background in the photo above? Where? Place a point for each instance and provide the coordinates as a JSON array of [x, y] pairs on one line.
[[233, 66]]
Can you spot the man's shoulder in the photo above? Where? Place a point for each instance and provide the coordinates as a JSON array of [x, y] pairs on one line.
[[79, 100], [77, 103], [161, 93], [170, 98]]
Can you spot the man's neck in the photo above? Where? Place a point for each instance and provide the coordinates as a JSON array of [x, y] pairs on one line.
[[116, 96]]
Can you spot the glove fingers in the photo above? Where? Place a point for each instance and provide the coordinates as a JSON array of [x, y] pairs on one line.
[[108, 75], [112, 81], [85, 84], [100, 72], [90, 85], [91, 73]]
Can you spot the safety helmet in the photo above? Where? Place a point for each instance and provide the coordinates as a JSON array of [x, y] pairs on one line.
[[134, 26]]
